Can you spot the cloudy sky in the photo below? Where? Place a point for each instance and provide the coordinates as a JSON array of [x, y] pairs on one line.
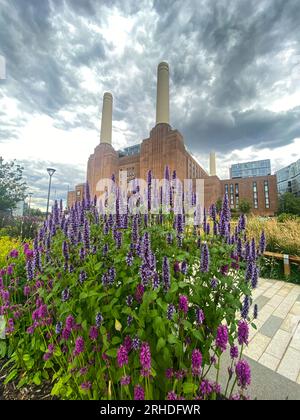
[[234, 68]]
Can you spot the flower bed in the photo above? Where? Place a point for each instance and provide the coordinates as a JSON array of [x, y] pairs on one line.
[[130, 307]]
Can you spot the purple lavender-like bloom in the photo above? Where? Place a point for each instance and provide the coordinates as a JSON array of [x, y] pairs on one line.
[[204, 265], [99, 319], [196, 362], [172, 396], [65, 250], [105, 250], [254, 278], [70, 322], [171, 311], [199, 316], [214, 283], [239, 247], [122, 356], [26, 290], [58, 328], [245, 307], [129, 259], [82, 277], [145, 357], [129, 320], [79, 345], [111, 275], [14, 253], [156, 281], [206, 387], [166, 274], [183, 304], [255, 311], [129, 300], [249, 271], [262, 243], [65, 294], [253, 249], [169, 238], [243, 373], [86, 234], [136, 343], [222, 337], [139, 293], [139, 393], [241, 223], [125, 380], [127, 343], [93, 334], [243, 332], [234, 352], [184, 267]]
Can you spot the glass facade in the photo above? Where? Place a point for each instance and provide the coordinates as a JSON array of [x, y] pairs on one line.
[[130, 151], [250, 169], [288, 179], [267, 196]]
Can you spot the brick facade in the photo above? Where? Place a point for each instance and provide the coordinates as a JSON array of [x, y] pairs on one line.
[[165, 147]]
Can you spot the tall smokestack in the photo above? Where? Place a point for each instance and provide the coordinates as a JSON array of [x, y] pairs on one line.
[[212, 164], [106, 120], [162, 94]]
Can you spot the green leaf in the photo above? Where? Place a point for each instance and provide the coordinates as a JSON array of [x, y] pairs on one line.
[[37, 378], [160, 344], [189, 388], [11, 376], [111, 352], [253, 326], [2, 348], [172, 339]]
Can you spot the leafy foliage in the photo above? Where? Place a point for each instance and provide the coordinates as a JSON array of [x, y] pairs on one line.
[[12, 186]]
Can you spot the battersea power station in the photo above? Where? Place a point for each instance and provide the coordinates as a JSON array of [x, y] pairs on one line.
[[165, 147]]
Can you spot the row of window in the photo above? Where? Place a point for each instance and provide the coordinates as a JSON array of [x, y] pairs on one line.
[[233, 194]]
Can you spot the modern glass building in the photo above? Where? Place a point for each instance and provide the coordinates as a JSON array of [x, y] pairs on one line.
[[288, 179], [250, 169]]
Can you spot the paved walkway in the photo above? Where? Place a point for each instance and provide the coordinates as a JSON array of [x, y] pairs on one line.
[[276, 342]]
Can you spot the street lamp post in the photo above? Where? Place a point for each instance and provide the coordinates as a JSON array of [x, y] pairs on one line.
[[50, 172]]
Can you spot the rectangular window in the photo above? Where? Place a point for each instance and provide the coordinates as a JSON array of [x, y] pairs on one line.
[[231, 196], [255, 196], [226, 188], [267, 197]]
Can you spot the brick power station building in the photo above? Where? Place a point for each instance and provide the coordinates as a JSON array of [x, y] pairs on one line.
[[165, 147]]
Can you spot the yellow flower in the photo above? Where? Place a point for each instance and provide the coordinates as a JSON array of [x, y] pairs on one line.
[[118, 325]]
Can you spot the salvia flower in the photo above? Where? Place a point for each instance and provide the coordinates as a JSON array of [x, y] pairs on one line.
[[86, 386], [125, 380], [129, 300], [196, 362], [166, 274], [183, 304], [199, 316], [262, 243], [206, 388], [171, 311], [214, 283], [245, 307], [70, 322], [93, 334], [204, 264], [65, 294], [58, 327], [145, 357], [79, 345], [136, 343], [255, 311], [234, 352], [139, 393], [122, 356], [222, 337], [99, 319], [172, 396], [243, 332], [243, 373]]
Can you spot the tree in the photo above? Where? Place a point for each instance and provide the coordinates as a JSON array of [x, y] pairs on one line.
[[12, 186], [219, 205], [288, 203], [245, 207]]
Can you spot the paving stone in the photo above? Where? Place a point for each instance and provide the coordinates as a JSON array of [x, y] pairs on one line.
[[269, 361], [275, 301], [295, 343], [295, 310], [290, 364], [279, 343], [298, 380], [290, 323], [271, 326], [257, 346], [298, 298], [261, 302]]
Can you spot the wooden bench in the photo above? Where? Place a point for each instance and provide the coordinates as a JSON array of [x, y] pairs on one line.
[[287, 259]]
